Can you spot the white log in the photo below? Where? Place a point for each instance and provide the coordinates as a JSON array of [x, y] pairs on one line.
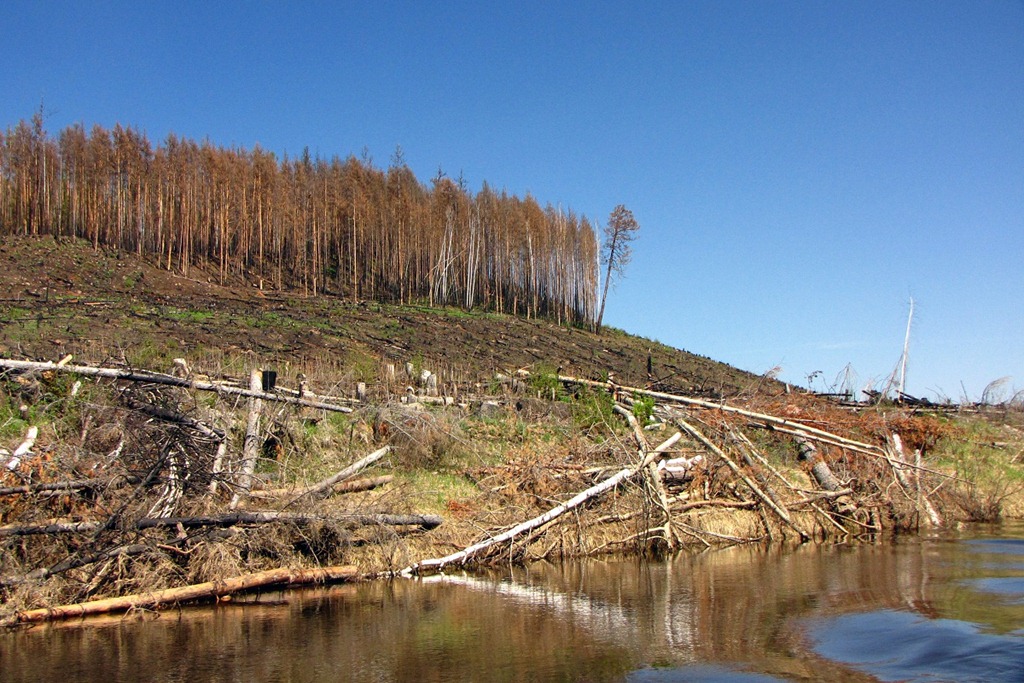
[[24, 449], [159, 378], [324, 486]]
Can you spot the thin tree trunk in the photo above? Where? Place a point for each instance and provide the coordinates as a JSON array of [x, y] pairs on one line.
[[324, 486]]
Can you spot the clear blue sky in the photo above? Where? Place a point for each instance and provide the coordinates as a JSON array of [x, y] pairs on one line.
[[800, 170]]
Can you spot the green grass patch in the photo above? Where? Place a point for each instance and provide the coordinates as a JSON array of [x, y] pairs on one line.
[[188, 316], [430, 492]]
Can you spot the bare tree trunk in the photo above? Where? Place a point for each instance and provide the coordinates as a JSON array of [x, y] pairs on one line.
[[250, 448]]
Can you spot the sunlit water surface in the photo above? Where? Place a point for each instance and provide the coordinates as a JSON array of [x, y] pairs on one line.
[[946, 607]]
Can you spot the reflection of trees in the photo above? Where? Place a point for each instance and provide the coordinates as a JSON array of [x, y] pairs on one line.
[[593, 620]]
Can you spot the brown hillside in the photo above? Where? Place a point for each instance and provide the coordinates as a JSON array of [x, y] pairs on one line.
[[62, 297]]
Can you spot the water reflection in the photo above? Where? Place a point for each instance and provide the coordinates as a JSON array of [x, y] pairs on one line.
[[859, 613]]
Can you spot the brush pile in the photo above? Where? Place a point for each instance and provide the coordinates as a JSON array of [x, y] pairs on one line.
[[141, 481]]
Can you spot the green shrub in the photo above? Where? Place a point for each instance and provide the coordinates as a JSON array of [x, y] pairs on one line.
[[643, 409], [545, 383], [593, 409]]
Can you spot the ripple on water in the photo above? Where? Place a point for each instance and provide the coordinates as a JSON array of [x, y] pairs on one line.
[[698, 674], [901, 646], [1011, 588]]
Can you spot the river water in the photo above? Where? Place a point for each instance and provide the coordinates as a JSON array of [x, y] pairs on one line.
[[944, 607]]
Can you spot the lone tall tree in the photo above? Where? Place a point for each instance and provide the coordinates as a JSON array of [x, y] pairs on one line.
[[615, 250]]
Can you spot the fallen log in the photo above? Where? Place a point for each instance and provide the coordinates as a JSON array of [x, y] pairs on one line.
[[22, 450], [579, 499], [50, 528], [67, 486], [820, 470], [171, 380], [173, 596], [324, 486], [342, 487], [228, 519], [272, 516]]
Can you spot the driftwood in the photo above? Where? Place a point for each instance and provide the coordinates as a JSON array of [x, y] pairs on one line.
[[171, 380], [173, 596], [437, 564]]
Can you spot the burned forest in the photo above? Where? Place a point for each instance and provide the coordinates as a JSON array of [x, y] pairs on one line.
[[322, 226]]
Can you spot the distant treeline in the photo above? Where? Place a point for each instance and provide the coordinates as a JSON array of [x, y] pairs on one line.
[[340, 227]]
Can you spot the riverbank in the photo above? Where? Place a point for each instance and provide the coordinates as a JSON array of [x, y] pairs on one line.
[[140, 482], [140, 453]]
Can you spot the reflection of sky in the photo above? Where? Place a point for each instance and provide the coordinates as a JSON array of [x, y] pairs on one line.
[[1011, 588], [902, 646], [999, 546], [697, 673]]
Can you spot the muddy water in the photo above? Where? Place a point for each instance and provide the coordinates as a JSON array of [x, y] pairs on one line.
[[940, 608]]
